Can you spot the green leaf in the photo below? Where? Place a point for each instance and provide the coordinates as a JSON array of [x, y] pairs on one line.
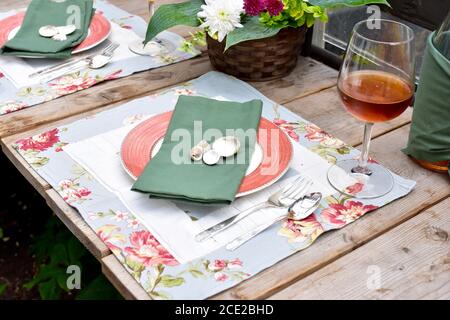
[[170, 15], [170, 281], [196, 273], [3, 287], [58, 254], [326, 4], [1, 234], [49, 290], [75, 250], [253, 29], [99, 289]]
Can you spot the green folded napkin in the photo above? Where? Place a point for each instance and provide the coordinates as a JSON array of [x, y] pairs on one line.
[[165, 177], [429, 137], [40, 13]]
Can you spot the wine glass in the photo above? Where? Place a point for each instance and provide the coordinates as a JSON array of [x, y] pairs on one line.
[[152, 48], [376, 84]]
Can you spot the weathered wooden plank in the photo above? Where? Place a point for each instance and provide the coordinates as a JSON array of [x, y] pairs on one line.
[[72, 219], [412, 261], [431, 188], [122, 280]]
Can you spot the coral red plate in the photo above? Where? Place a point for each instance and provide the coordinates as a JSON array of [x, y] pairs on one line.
[[99, 31], [271, 159]]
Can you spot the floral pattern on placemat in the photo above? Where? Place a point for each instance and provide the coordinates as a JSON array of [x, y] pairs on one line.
[[13, 99], [141, 254]]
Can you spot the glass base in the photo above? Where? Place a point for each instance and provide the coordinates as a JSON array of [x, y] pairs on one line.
[[152, 48], [377, 183]]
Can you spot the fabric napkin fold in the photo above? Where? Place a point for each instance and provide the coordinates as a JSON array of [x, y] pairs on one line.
[[28, 42], [171, 177]]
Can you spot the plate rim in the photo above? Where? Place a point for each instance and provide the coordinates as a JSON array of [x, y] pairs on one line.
[[238, 195], [75, 51]]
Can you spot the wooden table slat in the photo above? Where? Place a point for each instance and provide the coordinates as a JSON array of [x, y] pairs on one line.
[[411, 261], [76, 224]]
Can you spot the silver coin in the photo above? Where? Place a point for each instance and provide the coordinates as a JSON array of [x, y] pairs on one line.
[[48, 31], [66, 30], [211, 157], [196, 153], [59, 37], [226, 146]]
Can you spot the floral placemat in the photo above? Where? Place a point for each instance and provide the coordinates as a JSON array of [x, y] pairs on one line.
[[14, 99], [136, 248]]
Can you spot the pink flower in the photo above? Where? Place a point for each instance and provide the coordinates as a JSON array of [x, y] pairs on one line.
[[298, 231], [235, 264], [220, 276], [148, 251], [1, 75], [279, 122], [120, 216], [314, 133], [293, 135], [72, 83], [81, 193], [343, 214], [218, 265], [40, 142], [254, 7], [133, 223], [274, 7], [355, 188], [108, 234], [11, 106]]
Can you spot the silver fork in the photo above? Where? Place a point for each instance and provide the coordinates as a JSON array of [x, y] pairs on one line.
[[107, 51], [281, 199]]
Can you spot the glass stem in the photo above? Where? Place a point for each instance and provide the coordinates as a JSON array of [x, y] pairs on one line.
[[364, 157]]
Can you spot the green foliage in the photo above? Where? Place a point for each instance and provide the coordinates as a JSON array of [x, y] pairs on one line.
[[99, 289], [197, 39], [56, 249], [3, 287], [170, 15], [252, 30], [295, 14]]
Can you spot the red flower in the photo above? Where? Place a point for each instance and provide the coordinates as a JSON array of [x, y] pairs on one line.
[[343, 214], [286, 127], [219, 265], [148, 251], [355, 188], [254, 7], [1, 75], [274, 7], [40, 142]]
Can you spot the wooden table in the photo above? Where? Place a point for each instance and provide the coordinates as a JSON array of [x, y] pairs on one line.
[[406, 241]]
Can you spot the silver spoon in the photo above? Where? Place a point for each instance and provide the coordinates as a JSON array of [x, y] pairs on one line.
[[301, 209]]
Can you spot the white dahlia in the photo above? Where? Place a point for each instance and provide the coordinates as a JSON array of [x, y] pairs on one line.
[[221, 16]]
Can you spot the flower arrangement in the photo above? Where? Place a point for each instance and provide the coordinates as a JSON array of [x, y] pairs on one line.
[[236, 21], [254, 40]]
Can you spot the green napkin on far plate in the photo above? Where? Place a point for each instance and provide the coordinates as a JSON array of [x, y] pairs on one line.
[[171, 174], [28, 42]]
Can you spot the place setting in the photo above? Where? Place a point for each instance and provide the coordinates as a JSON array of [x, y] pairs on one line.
[[50, 41], [204, 184]]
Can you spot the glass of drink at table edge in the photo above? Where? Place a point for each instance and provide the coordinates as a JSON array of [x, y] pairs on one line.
[[376, 84]]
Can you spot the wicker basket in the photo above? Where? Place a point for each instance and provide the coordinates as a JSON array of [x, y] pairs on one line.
[[259, 60]]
